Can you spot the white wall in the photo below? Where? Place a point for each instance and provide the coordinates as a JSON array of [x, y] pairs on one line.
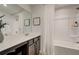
[[62, 23], [37, 11], [63, 30]]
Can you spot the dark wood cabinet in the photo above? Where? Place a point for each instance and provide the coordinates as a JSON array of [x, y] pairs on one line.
[[34, 48], [30, 47]]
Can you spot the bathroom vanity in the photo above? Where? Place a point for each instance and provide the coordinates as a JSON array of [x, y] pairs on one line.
[[21, 45], [19, 37]]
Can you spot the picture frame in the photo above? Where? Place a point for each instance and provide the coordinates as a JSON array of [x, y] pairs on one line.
[[26, 22], [36, 21]]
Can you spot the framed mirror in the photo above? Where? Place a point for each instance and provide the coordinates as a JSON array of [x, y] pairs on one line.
[[27, 28], [26, 22]]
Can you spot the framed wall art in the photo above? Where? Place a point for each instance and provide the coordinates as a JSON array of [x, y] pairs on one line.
[[36, 21], [26, 22]]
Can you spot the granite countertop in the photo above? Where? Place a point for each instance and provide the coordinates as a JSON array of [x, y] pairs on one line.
[[13, 40]]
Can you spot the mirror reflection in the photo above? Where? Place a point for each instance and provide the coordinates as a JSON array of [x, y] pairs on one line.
[[17, 20]]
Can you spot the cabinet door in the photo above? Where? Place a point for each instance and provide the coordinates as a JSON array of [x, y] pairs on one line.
[[34, 46], [37, 47], [32, 50]]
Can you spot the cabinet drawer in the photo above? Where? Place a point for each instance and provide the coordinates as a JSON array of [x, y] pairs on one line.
[[35, 39], [32, 50], [30, 42]]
